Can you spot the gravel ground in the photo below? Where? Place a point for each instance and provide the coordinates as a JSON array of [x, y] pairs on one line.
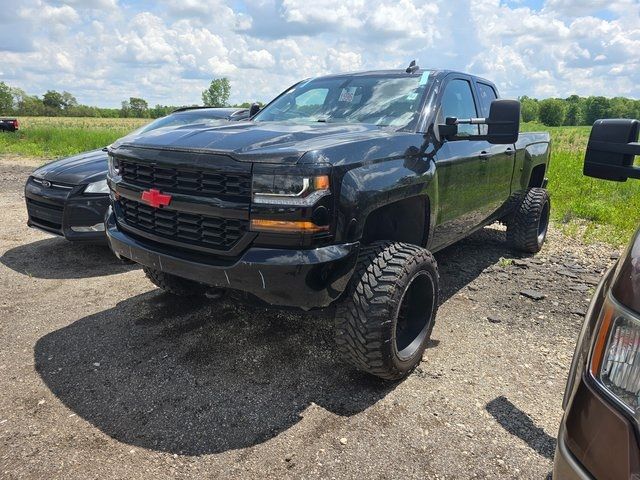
[[102, 375]]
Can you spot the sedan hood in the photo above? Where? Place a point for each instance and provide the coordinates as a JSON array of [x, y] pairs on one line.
[[79, 169], [273, 142]]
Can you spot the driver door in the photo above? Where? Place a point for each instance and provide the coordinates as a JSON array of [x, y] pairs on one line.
[[460, 167]]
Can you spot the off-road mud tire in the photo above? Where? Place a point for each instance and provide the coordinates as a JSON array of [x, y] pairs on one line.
[[528, 227], [388, 276]]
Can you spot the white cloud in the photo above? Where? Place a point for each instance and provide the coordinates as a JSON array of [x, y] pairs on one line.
[[106, 50]]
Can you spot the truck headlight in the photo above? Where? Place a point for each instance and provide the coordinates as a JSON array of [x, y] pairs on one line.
[[100, 187], [114, 167], [615, 358], [287, 190]]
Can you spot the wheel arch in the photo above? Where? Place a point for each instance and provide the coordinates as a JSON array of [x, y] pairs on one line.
[[407, 220]]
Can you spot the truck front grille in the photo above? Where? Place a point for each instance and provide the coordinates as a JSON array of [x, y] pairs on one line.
[[200, 230], [225, 185]]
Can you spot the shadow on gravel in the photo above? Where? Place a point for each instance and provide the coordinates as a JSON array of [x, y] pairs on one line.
[[463, 262], [518, 423], [198, 377], [61, 259]]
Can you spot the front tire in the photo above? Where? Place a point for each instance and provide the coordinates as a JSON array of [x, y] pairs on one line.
[[528, 228], [385, 321], [174, 284]]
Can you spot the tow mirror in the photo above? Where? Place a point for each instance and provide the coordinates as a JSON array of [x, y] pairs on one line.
[[613, 145], [255, 108], [503, 124]]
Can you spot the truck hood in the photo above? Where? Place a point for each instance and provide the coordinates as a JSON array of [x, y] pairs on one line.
[[272, 142], [79, 169]]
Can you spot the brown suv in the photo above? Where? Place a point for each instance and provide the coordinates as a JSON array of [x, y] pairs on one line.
[[599, 432]]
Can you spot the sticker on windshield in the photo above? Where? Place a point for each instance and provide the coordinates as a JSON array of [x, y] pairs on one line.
[[424, 78], [412, 96], [347, 95]]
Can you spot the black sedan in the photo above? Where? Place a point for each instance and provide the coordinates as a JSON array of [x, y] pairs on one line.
[[69, 197]]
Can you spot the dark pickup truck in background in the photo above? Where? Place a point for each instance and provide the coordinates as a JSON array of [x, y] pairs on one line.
[[9, 124], [337, 191]]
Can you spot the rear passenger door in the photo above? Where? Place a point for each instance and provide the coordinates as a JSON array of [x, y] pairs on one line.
[[460, 166], [500, 159]]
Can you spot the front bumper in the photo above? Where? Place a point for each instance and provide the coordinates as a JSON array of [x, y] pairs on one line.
[[61, 210], [565, 465], [305, 279]]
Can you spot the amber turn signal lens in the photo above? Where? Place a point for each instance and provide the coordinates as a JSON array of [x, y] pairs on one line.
[[601, 340], [286, 226], [322, 182]]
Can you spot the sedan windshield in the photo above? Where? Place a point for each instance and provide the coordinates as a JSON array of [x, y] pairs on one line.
[[386, 101]]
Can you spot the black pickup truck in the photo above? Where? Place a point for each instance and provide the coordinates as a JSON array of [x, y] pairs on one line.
[[9, 124], [339, 190]]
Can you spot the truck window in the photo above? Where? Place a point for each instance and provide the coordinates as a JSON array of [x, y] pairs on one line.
[[383, 100], [311, 101], [457, 101], [487, 95]]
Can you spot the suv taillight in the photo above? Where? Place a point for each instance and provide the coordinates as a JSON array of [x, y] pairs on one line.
[[16, 124]]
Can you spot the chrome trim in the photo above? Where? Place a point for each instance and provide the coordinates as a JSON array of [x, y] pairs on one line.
[[565, 465], [583, 331], [52, 184]]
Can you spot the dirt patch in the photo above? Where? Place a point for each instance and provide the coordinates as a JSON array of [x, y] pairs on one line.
[[103, 375], [11, 160]]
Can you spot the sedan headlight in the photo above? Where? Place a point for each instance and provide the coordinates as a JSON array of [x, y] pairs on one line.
[[286, 190], [615, 359], [100, 187], [114, 167]]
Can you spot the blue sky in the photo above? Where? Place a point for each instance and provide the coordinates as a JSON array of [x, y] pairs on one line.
[[104, 51]]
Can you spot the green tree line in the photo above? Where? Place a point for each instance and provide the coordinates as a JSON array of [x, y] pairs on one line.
[[576, 110], [15, 101], [573, 110]]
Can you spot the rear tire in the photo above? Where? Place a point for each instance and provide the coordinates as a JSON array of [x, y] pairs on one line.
[[528, 227], [174, 284], [385, 321]]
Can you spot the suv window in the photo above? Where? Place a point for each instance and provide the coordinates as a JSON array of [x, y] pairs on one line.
[[487, 95], [457, 101]]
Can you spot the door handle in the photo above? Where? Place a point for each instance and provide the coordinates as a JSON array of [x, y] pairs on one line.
[[510, 151], [484, 156]]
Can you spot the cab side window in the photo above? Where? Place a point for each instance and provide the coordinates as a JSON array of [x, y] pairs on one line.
[[457, 101], [487, 95]]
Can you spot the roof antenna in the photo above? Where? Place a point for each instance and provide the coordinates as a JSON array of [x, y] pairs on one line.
[[412, 67]]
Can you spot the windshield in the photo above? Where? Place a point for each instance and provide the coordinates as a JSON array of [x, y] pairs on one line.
[[186, 118], [385, 101]]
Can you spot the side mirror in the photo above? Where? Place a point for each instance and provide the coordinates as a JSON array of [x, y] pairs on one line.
[[612, 147], [255, 108], [503, 123]]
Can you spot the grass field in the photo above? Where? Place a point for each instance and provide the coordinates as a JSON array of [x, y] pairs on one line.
[[588, 208], [52, 137]]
